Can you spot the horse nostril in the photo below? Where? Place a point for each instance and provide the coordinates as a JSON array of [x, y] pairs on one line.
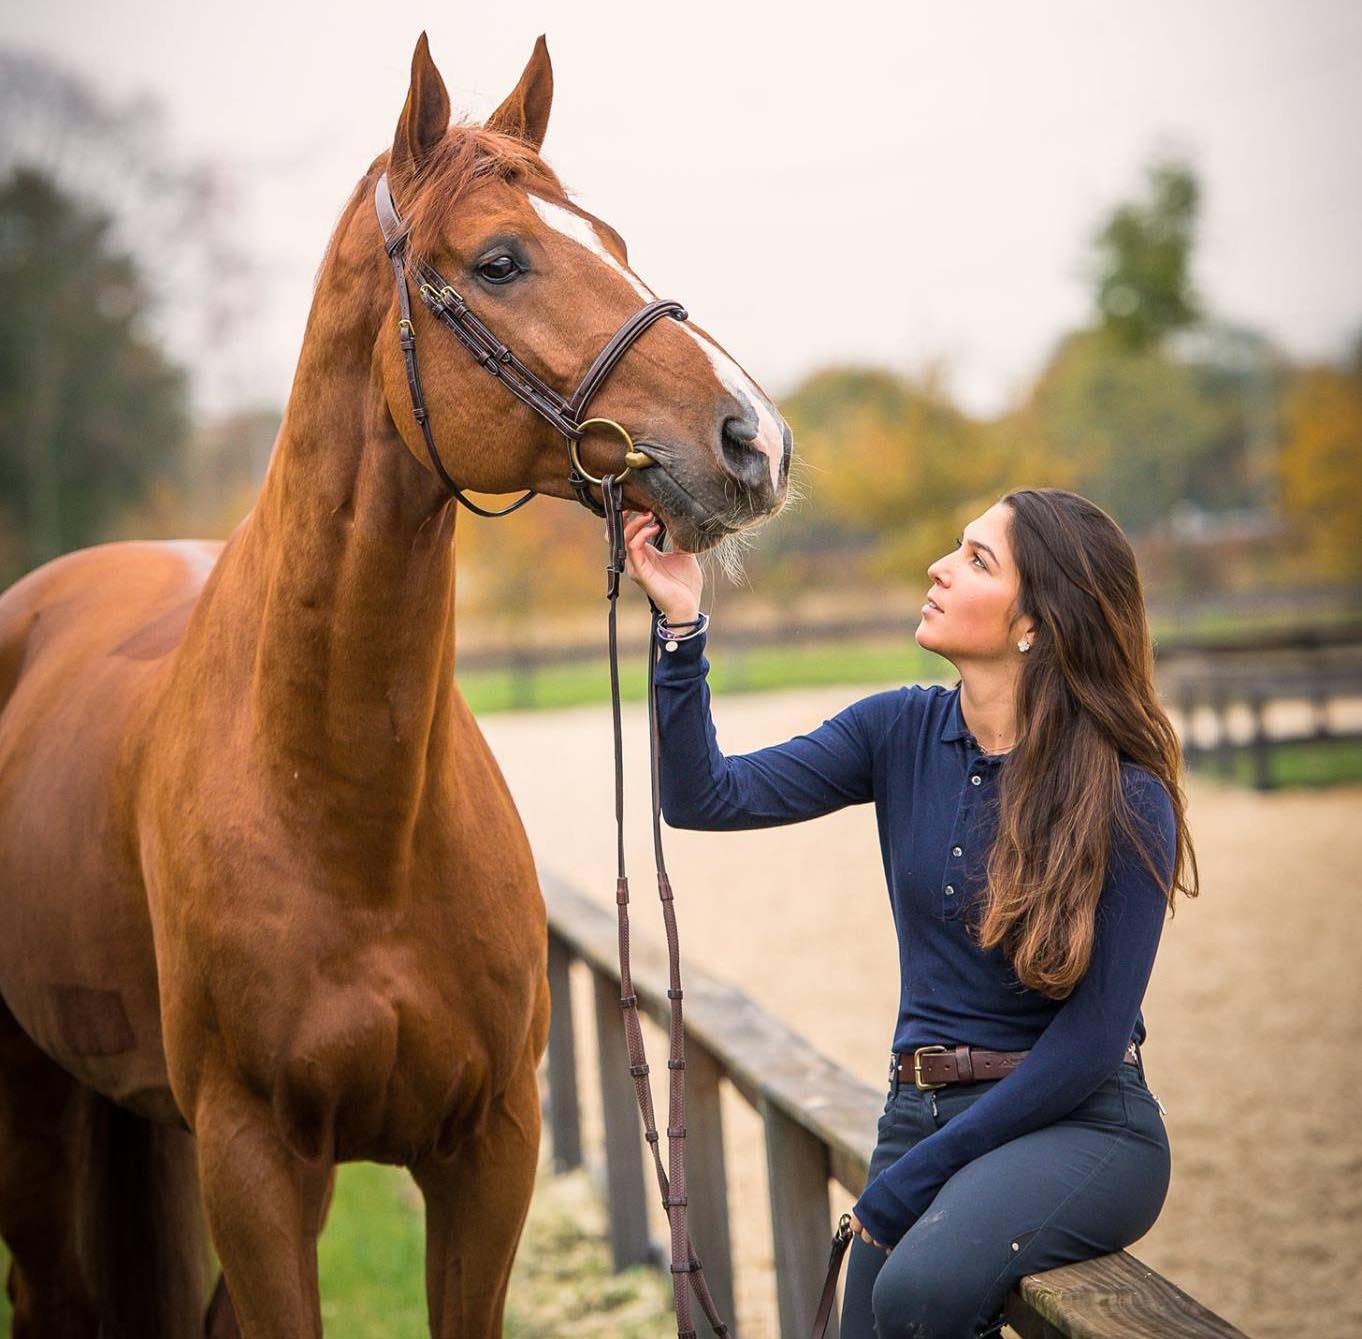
[[738, 431], [738, 438]]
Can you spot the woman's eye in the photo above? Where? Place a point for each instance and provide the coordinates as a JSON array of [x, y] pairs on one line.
[[499, 270], [959, 542]]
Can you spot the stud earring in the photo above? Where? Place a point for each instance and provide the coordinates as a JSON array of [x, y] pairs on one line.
[[1023, 647]]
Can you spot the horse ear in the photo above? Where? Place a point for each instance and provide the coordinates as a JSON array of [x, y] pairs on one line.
[[424, 119], [525, 113]]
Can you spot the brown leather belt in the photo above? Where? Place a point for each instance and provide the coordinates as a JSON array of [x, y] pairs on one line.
[[936, 1066]]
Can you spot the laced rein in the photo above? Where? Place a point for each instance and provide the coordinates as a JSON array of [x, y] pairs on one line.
[[685, 1263]]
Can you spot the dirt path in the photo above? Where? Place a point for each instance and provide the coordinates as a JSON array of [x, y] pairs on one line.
[[1254, 1011]]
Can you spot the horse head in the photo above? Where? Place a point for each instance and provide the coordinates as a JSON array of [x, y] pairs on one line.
[[480, 207]]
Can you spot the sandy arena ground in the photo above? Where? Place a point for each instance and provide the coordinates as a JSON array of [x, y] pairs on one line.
[[1254, 1011]]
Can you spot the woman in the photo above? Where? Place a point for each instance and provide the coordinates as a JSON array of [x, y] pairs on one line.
[[1033, 833]]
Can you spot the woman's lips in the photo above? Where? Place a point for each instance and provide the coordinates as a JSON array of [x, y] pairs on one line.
[[931, 607]]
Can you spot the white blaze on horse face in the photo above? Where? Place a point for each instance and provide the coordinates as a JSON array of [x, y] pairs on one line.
[[770, 439], [579, 229]]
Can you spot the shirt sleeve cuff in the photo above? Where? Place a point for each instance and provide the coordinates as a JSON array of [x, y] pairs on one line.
[[883, 1214], [679, 657]]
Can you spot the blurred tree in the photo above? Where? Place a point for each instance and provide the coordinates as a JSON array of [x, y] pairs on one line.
[[523, 574], [173, 216], [1321, 467], [892, 467], [1353, 363], [216, 483], [1143, 255], [1153, 408], [89, 406], [1135, 431]]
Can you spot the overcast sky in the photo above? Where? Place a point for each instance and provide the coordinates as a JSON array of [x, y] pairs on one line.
[[886, 182]]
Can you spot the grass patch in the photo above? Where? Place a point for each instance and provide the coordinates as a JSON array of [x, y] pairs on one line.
[[562, 1282], [371, 1257], [371, 1261], [734, 670], [1308, 764], [1172, 625]]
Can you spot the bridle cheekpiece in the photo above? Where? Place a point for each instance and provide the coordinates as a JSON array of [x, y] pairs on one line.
[[565, 414]]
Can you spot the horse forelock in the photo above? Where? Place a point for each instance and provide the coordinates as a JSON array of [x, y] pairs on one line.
[[466, 155]]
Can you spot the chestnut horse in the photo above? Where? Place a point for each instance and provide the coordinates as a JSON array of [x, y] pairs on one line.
[[266, 904]]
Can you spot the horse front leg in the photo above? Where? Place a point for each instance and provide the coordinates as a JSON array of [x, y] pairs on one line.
[[477, 1198], [265, 1206]]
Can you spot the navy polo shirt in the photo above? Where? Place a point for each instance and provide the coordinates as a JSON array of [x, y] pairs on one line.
[[909, 753]]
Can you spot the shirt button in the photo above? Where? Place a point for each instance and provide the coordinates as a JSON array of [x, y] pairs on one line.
[[955, 850], [950, 890], [671, 646], [974, 781]]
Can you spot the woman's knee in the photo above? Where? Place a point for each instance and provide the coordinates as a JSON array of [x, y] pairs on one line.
[[914, 1298]]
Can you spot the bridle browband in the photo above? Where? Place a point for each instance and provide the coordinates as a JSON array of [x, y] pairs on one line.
[[565, 415]]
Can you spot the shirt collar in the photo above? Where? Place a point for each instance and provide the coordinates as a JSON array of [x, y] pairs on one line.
[[954, 726]]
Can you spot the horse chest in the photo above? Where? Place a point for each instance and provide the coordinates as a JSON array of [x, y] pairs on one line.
[[395, 1066]]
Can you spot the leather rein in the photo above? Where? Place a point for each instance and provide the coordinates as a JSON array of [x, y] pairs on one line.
[[565, 414]]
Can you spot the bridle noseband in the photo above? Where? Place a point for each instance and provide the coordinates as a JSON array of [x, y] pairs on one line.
[[449, 308]]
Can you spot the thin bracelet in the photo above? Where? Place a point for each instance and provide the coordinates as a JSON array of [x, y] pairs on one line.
[[668, 634]]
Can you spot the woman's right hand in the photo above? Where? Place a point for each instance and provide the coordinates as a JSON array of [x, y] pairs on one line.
[[673, 581]]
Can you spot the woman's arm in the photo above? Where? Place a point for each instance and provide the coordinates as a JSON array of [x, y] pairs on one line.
[[1082, 1045], [812, 774]]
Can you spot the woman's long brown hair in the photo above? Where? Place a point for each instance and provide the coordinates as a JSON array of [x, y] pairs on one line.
[[1085, 703]]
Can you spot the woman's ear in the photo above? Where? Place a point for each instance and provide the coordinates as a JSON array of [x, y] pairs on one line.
[[424, 119]]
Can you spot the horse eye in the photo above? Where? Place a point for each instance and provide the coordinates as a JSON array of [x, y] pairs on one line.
[[499, 270]]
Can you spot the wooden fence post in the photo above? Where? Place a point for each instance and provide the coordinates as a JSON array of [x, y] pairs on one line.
[[797, 1178], [1190, 749], [1260, 746], [628, 1210], [564, 1118], [707, 1180], [1224, 741]]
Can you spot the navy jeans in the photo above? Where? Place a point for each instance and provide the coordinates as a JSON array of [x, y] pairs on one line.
[[1087, 1185]]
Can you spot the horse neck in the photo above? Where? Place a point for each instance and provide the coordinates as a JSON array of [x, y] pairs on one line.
[[349, 558]]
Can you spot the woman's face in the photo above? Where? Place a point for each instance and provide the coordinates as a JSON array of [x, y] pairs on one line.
[[970, 613]]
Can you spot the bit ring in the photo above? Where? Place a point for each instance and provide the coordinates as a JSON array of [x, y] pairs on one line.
[[634, 459]]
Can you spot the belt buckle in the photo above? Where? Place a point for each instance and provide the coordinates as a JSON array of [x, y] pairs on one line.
[[917, 1066]]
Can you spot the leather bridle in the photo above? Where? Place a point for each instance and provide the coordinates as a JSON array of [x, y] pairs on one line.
[[564, 414]]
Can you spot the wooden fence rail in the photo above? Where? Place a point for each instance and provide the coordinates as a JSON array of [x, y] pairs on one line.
[[819, 1123]]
